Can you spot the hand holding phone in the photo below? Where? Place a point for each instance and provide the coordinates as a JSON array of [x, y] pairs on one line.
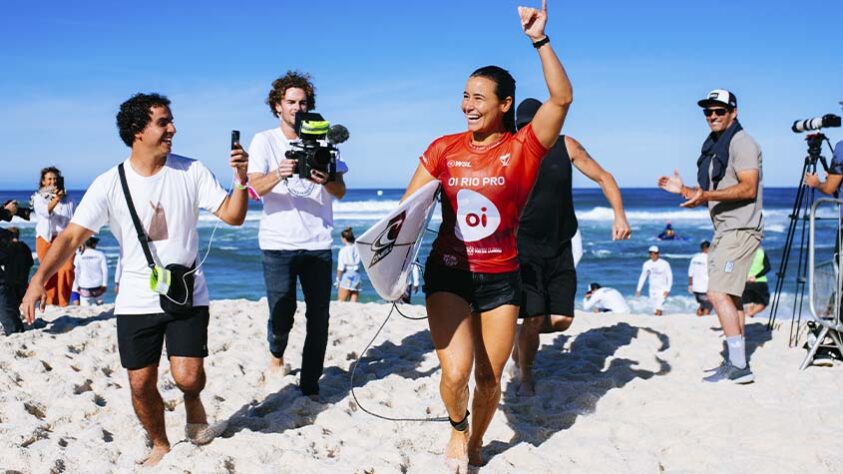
[[235, 139]]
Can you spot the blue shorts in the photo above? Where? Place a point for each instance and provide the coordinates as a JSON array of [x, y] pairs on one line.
[[350, 281]]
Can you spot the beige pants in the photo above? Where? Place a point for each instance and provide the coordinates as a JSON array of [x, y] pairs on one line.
[[729, 259]]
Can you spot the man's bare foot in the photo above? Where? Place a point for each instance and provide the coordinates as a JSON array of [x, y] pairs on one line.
[[154, 456], [456, 454], [526, 388], [278, 367]]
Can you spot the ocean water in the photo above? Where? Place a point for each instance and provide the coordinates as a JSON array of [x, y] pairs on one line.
[[233, 267]]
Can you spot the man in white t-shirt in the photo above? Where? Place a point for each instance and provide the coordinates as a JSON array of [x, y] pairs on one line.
[[91, 270], [698, 279], [167, 191], [295, 230], [658, 271], [604, 300]]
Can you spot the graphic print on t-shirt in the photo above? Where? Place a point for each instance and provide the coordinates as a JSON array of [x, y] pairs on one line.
[[158, 225], [477, 216]]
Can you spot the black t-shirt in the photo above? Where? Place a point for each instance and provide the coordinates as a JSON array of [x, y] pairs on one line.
[[548, 220]]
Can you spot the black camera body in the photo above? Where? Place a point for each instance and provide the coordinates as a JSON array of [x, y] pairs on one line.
[[315, 148], [23, 212]]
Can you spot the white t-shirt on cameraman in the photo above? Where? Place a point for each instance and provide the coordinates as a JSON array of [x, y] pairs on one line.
[[297, 213], [168, 206]]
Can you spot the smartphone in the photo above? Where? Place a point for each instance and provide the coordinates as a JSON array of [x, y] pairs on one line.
[[235, 139]]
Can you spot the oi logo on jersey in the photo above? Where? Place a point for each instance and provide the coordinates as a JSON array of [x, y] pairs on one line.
[[477, 216]]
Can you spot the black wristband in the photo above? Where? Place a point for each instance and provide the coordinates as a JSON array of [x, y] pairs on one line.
[[538, 44]]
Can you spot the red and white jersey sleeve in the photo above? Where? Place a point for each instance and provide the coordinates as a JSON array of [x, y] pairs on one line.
[[484, 191]]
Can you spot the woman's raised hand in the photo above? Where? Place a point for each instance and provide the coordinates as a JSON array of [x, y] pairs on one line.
[[533, 21]]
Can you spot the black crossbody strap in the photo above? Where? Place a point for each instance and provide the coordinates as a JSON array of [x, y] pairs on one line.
[[144, 239]]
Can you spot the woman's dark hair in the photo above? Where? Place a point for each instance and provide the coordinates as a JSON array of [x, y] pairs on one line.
[[504, 87], [293, 79], [348, 234], [44, 171], [135, 114]]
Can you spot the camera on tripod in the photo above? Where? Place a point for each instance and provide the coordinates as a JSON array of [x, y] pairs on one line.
[[23, 212], [315, 149], [816, 123]]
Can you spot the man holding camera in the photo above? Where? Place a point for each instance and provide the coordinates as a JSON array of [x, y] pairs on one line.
[[729, 175], [295, 229], [835, 174], [10, 252], [151, 204]]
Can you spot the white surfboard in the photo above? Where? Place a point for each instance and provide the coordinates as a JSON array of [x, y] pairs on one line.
[[389, 248]]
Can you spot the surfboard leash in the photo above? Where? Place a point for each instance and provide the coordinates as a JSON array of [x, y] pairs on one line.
[[357, 363]]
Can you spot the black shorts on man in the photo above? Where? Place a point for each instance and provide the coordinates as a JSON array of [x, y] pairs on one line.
[[482, 291], [140, 337], [549, 284], [756, 292]]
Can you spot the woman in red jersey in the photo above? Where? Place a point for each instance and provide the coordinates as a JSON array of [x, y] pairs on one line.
[[472, 283]]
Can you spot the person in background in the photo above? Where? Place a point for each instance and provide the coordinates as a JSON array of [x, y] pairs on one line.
[[54, 209], [91, 270], [658, 271], [698, 279], [412, 284], [348, 262], [604, 300], [15, 263], [756, 295], [668, 233]]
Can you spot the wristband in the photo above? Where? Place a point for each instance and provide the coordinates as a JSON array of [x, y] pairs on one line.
[[538, 44], [241, 186]]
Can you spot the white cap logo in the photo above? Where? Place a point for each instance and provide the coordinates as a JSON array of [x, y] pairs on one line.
[[477, 216]]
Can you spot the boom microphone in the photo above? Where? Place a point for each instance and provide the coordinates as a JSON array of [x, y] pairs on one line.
[[338, 134], [827, 120]]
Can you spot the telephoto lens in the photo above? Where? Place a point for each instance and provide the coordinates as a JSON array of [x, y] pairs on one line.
[[826, 121]]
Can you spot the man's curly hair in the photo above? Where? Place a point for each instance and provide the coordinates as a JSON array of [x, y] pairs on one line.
[[292, 79], [135, 114]]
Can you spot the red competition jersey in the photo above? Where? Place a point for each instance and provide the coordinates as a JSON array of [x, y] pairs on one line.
[[485, 190]]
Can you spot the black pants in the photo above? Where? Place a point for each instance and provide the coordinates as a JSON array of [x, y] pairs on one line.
[[312, 268], [10, 309]]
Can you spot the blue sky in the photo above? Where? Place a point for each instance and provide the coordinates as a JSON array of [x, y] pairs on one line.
[[393, 73]]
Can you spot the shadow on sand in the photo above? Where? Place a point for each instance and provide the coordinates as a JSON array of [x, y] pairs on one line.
[[66, 323], [289, 409], [569, 383]]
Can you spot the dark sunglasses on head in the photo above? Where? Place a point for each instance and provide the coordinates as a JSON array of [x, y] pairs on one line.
[[719, 112]]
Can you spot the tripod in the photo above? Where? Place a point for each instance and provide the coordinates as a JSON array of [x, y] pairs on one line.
[[800, 212]]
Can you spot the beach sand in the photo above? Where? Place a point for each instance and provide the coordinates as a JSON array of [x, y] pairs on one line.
[[615, 394]]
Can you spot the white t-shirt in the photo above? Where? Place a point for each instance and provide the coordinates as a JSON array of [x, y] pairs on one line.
[[698, 271], [168, 206], [91, 269], [661, 278], [606, 299], [297, 213], [51, 223], [348, 259]]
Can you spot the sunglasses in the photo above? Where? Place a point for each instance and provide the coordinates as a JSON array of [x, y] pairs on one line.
[[718, 112]]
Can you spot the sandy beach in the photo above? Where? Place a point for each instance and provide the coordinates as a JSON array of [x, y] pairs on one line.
[[615, 394]]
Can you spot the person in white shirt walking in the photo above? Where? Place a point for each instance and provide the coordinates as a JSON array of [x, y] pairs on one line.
[[91, 270], [698, 279], [604, 300], [661, 280], [151, 204], [348, 262]]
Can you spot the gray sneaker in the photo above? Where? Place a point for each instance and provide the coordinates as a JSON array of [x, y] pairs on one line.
[[729, 372]]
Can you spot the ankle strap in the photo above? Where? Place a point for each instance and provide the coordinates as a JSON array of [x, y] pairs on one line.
[[460, 425]]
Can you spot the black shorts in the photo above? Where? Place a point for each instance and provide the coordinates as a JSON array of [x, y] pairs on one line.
[[756, 292], [550, 284], [702, 299], [482, 291], [140, 337]]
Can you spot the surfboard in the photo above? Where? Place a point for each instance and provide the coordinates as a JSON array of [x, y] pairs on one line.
[[389, 248]]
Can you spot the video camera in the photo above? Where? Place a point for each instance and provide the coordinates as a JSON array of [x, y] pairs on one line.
[[315, 149], [23, 212]]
